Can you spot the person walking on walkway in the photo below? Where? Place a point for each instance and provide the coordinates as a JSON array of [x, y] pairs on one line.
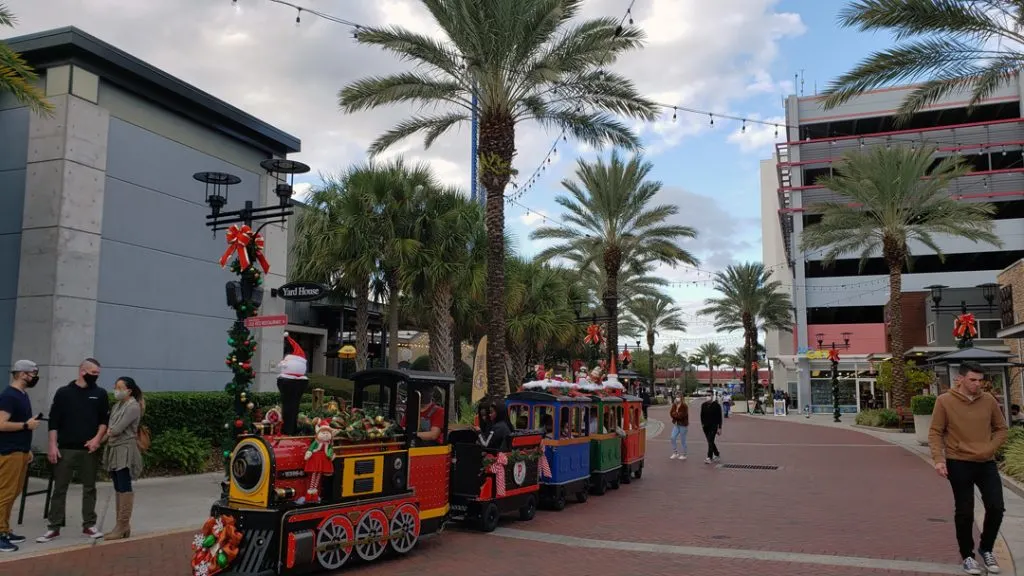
[[16, 426], [967, 429], [122, 458], [711, 422], [680, 414], [78, 422]]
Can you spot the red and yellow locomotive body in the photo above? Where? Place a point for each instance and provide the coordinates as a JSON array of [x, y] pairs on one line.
[[384, 494]]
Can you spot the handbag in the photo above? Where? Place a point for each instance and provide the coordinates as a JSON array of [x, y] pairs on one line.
[[143, 439]]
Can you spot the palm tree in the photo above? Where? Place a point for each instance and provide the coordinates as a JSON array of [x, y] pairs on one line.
[[450, 230], [523, 61], [636, 278], [735, 359], [538, 312], [610, 216], [651, 316], [710, 354], [894, 204], [953, 46], [335, 245], [750, 301], [16, 76]]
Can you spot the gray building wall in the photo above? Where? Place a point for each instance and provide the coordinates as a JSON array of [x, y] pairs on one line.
[[161, 315], [940, 325], [13, 154]]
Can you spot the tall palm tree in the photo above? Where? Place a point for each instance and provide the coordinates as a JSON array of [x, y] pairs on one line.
[[335, 245], [950, 45], [636, 278], [538, 312], [893, 204], [16, 76], [610, 216], [710, 354], [651, 316], [750, 301], [524, 61], [450, 229]]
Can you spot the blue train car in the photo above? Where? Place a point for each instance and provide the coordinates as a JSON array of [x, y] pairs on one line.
[[566, 441]]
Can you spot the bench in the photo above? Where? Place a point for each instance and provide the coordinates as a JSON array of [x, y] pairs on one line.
[[906, 421], [39, 464]]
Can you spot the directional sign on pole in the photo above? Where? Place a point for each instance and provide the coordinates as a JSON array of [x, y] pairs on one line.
[[266, 321]]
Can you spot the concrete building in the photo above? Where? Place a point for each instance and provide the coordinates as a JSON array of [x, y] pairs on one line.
[[1011, 282], [103, 240], [833, 303]]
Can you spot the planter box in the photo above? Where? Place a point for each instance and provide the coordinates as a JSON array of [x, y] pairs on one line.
[[921, 426]]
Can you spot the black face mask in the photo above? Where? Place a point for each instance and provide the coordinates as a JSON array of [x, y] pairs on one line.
[[90, 379], [33, 381]]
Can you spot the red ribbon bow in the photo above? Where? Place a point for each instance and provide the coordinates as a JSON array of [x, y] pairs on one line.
[[543, 467], [238, 238], [593, 334], [258, 243], [965, 326], [833, 355]]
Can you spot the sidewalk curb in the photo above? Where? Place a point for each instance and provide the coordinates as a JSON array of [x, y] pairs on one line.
[[979, 514], [98, 542]]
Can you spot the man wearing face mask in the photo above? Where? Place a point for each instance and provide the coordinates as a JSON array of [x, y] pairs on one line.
[[16, 426], [78, 421]]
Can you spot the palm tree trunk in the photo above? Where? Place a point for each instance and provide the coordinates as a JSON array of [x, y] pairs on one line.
[[612, 263], [496, 148], [518, 365], [458, 368], [391, 278], [895, 257], [362, 322], [650, 360], [711, 374], [441, 328]]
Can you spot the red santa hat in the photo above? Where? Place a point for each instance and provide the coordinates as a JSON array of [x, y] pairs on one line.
[[293, 365]]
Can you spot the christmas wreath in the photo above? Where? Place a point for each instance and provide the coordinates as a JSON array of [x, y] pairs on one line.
[[216, 547]]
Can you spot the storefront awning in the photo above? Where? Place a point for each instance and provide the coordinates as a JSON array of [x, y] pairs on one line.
[[1015, 331]]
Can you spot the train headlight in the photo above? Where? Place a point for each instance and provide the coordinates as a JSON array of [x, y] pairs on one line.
[[247, 468]]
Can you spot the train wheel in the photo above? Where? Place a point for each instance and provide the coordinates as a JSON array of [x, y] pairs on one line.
[[625, 476], [334, 542], [372, 535], [405, 528], [600, 487], [582, 496], [639, 472], [615, 483], [528, 511], [558, 502], [489, 517]]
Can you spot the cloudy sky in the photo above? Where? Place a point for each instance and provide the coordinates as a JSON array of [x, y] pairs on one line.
[[738, 57]]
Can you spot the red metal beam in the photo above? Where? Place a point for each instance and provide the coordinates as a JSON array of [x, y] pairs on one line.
[[969, 174], [942, 149], [905, 132]]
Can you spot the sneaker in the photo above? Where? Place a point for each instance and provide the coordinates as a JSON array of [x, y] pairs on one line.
[[682, 456], [14, 538], [970, 566], [707, 460], [673, 456], [49, 536], [989, 560], [716, 458], [6, 546], [92, 532]]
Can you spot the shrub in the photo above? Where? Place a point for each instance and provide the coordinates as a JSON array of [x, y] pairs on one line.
[[201, 412], [179, 450], [1015, 435], [883, 418], [922, 405], [738, 398], [1013, 459]]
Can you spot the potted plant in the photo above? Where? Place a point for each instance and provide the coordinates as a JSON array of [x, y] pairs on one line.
[[922, 406]]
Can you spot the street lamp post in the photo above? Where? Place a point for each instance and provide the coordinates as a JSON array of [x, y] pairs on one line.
[[833, 356], [245, 295], [965, 326]]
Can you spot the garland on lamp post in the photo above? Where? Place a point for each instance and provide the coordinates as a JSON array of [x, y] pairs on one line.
[[833, 356]]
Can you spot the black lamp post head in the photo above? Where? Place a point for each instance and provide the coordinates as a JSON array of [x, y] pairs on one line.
[[846, 338], [284, 171], [216, 188], [988, 291], [638, 343], [820, 337], [936, 293]]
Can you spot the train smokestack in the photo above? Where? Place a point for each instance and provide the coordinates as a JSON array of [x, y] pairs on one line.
[[292, 384]]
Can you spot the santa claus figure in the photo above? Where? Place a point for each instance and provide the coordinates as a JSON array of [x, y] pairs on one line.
[[292, 383], [319, 458]]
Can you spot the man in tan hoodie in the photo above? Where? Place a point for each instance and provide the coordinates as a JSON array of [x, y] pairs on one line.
[[967, 429]]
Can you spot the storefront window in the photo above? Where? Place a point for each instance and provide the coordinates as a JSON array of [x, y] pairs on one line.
[[821, 395]]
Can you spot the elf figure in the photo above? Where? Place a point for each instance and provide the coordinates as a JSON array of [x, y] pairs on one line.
[[319, 458]]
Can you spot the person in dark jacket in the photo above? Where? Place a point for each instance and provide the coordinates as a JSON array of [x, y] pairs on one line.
[[646, 397], [499, 430], [711, 422]]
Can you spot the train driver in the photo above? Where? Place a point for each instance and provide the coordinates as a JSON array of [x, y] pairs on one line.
[[431, 420]]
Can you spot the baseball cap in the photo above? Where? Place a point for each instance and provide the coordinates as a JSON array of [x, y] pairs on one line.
[[24, 366]]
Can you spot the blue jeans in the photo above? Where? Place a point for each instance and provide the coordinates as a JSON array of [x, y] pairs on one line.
[[727, 406], [678, 435], [122, 480]]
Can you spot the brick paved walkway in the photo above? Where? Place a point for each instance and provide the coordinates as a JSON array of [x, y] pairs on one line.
[[837, 493]]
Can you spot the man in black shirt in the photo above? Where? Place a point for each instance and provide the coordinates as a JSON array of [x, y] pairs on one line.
[[16, 426], [711, 422], [78, 421]]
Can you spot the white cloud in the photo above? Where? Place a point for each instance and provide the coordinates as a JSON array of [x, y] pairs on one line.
[[534, 218], [759, 138]]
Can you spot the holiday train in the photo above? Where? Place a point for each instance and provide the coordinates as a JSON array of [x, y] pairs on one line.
[[388, 488]]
